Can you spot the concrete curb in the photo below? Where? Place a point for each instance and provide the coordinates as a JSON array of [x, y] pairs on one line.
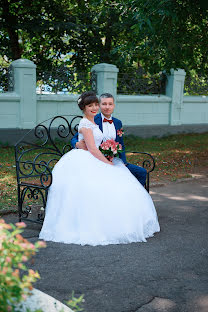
[[40, 300]]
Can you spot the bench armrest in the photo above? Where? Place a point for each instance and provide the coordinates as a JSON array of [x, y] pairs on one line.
[[148, 163]]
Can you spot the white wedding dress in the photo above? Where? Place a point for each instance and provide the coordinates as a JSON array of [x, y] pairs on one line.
[[91, 202]]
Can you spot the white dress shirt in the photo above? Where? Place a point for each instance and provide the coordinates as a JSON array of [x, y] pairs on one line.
[[109, 130]]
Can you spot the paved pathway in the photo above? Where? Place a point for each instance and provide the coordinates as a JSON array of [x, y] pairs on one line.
[[168, 273]]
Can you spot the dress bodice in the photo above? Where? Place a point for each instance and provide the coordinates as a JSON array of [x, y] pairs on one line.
[[97, 133]]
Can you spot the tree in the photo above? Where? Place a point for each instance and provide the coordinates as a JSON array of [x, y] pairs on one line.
[[35, 30], [152, 34], [79, 33], [170, 33]]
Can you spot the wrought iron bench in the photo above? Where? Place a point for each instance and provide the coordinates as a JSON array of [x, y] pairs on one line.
[[37, 152]]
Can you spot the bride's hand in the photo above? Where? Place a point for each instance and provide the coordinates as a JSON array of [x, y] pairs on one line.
[[81, 145]]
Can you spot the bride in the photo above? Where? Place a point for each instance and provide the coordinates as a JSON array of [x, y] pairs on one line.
[[92, 200]]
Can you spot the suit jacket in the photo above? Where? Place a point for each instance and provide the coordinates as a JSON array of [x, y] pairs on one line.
[[118, 126]]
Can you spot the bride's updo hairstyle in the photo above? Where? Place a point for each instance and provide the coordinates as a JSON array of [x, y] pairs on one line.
[[87, 98]]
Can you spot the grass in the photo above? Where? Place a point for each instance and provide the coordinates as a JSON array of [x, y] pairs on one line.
[[8, 185], [177, 156]]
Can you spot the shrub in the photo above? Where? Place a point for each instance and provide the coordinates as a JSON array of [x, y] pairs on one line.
[[15, 278]]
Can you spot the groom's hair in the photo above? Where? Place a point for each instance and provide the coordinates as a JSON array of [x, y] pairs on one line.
[[105, 95]]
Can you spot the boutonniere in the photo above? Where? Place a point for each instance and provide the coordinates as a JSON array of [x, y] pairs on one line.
[[120, 132]]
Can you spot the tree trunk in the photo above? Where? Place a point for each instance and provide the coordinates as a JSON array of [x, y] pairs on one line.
[[107, 48], [11, 22]]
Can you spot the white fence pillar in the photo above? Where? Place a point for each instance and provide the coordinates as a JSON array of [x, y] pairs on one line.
[[106, 78], [174, 89], [24, 72]]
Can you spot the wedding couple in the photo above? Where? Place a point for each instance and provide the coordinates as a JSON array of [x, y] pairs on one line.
[[92, 200]]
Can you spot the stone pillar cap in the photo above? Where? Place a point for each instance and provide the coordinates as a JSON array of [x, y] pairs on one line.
[[105, 67], [178, 71], [22, 63]]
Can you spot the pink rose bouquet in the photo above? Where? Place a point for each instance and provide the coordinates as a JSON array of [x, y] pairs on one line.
[[110, 149]]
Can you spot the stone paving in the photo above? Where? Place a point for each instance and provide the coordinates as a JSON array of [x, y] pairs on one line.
[[168, 273]]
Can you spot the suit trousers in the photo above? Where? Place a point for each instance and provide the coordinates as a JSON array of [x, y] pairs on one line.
[[139, 172]]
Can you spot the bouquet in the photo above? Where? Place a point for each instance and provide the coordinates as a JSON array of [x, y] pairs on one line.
[[110, 149]]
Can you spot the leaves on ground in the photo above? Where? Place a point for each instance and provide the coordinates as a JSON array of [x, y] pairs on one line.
[[176, 156]]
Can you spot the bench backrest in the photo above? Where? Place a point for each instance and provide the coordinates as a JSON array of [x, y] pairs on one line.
[[37, 152]]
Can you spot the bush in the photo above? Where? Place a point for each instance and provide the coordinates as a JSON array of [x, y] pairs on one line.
[[15, 278]]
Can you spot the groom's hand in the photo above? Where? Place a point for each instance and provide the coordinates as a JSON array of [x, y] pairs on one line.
[[81, 145]]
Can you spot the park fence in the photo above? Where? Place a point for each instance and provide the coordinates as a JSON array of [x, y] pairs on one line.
[[144, 110]]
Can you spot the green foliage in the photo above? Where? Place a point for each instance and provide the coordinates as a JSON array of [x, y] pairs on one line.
[[155, 35], [176, 156], [76, 303], [172, 34], [14, 252]]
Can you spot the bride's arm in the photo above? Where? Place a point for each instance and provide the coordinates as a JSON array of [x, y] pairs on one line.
[[90, 142]]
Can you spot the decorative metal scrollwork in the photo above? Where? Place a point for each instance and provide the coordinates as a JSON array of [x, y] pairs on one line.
[[66, 148], [6, 79], [33, 173], [26, 168], [41, 132], [36, 154], [147, 163], [10, 78], [74, 124], [93, 81], [35, 194]]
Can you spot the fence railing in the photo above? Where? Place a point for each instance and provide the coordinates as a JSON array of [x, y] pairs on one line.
[[140, 83], [6, 79], [65, 81], [196, 85]]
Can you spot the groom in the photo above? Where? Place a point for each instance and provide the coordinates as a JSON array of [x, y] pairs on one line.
[[112, 129]]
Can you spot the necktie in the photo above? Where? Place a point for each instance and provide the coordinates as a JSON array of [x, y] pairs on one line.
[[108, 120]]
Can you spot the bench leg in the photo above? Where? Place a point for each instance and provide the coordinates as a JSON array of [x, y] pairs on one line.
[[19, 204], [147, 182]]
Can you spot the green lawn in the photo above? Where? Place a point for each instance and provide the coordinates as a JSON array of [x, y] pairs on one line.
[[176, 156]]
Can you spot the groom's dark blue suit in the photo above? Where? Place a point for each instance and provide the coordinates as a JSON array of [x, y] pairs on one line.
[[139, 172]]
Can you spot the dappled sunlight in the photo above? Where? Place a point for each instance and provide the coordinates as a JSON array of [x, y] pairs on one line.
[[184, 198], [175, 197], [196, 175], [160, 195], [161, 304], [8, 178], [202, 303], [182, 151], [173, 151], [197, 197], [170, 196]]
